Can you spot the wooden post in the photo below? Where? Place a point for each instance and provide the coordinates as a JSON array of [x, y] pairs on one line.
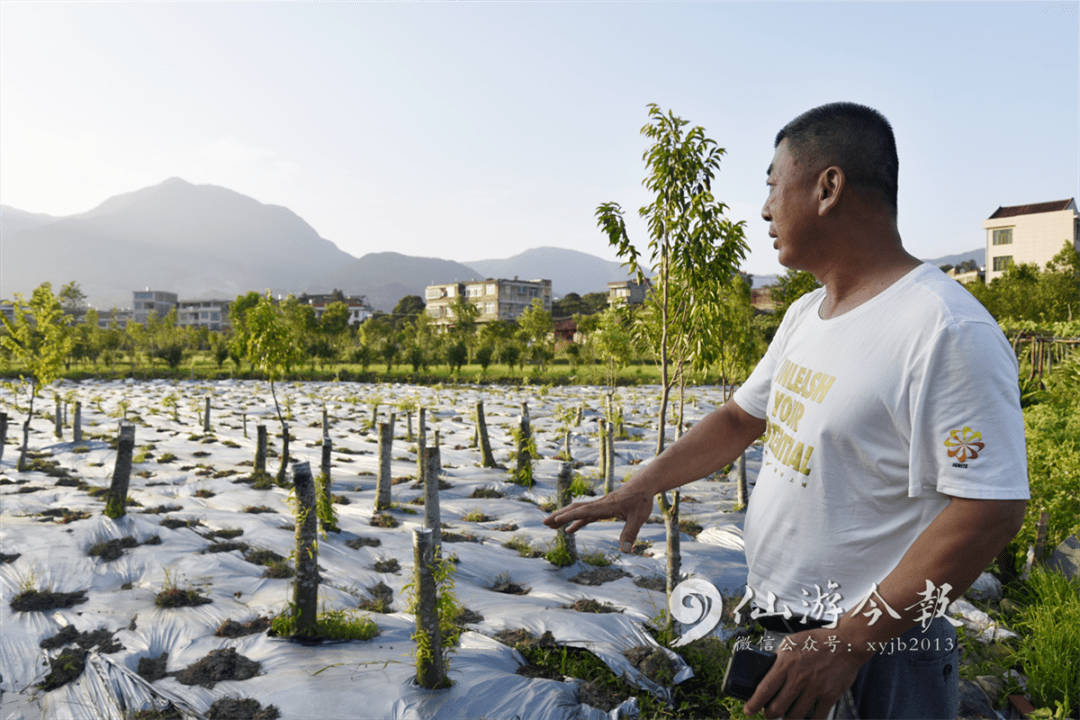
[[563, 498], [76, 428], [602, 460], [59, 419], [324, 466], [566, 447], [486, 458], [432, 519], [283, 470], [325, 422], [117, 498], [1041, 531], [374, 416], [244, 415], [206, 416], [386, 442], [408, 426], [430, 667], [438, 455], [742, 491], [260, 450], [524, 458], [421, 442], [3, 432], [306, 587], [609, 461]]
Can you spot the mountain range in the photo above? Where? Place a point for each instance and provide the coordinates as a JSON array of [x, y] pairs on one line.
[[204, 241]]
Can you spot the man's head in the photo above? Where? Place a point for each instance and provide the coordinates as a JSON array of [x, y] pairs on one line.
[[855, 138]]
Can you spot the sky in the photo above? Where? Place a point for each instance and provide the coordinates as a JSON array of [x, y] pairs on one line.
[[478, 130]]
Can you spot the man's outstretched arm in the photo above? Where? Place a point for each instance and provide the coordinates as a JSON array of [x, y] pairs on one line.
[[710, 445]]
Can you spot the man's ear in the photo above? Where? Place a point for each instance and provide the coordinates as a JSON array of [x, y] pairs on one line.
[[830, 187]]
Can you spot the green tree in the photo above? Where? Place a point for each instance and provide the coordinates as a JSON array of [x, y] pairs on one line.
[[691, 243], [37, 341], [611, 342], [273, 348], [789, 287], [537, 325], [409, 306], [692, 248], [238, 310], [1028, 292]]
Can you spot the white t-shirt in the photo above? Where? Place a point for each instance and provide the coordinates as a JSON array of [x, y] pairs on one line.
[[874, 418]]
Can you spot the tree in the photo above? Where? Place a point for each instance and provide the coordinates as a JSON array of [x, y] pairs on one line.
[[38, 341], [611, 342], [692, 247], [273, 347], [409, 305], [789, 287], [537, 325], [71, 298], [691, 243], [238, 310], [1028, 292]]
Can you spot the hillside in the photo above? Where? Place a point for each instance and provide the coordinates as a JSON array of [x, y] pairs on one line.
[[196, 240]]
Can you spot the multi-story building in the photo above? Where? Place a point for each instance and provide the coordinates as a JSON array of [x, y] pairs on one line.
[[212, 314], [496, 299], [152, 302], [359, 310], [627, 292], [1029, 234]]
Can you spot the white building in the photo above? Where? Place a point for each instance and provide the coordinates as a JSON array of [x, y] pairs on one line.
[[496, 299], [1029, 234]]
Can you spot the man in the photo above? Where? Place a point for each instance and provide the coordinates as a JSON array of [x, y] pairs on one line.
[[894, 469]]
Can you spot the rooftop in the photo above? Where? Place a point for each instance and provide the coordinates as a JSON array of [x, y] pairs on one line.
[[1014, 210]]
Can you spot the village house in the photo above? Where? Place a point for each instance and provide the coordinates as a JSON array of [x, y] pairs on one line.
[[359, 310], [1029, 234], [496, 299]]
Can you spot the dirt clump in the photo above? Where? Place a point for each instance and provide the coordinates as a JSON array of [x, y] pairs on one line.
[[151, 669], [34, 600], [522, 638], [653, 663], [64, 668], [241, 709], [223, 664], [382, 597], [233, 629], [68, 635], [594, 695], [110, 550], [599, 576]]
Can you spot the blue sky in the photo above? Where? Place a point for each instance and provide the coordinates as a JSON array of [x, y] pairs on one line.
[[475, 130]]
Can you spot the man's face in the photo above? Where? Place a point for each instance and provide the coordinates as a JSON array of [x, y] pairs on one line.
[[790, 209]]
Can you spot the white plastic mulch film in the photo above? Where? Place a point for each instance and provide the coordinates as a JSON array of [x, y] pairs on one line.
[[50, 521]]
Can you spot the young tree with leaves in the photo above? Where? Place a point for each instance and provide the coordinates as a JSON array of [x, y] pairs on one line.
[[273, 348], [537, 325], [692, 247], [38, 341], [691, 243]]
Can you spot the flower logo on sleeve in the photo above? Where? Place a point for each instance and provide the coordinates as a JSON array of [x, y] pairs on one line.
[[964, 444]]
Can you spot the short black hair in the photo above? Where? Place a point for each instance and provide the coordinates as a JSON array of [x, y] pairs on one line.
[[857, 139]]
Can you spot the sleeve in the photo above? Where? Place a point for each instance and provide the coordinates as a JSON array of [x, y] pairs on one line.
[[967, 428]]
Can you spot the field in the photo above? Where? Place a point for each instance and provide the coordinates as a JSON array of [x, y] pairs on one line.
[[194, 531]]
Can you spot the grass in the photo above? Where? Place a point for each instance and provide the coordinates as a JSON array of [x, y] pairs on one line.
[[475, 515], [520, 544], [1049, 652], [331, 625]]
